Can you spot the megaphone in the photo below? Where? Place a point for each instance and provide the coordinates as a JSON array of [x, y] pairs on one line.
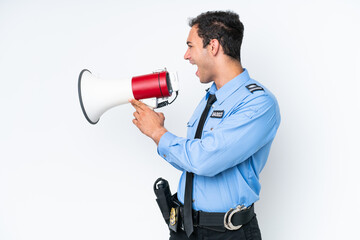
[[98, 95]]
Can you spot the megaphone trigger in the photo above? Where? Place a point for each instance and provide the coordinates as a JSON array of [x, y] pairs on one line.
[[150, 102]]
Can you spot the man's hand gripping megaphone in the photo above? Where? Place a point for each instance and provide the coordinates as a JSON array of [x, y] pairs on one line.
[[148, 121]]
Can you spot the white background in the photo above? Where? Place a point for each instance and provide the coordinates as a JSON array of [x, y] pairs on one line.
[[62, 178]]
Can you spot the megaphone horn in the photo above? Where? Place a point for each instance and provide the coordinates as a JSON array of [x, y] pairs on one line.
[[98, 95]]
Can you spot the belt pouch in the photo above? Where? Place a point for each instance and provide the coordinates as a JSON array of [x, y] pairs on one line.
[[163, 197]]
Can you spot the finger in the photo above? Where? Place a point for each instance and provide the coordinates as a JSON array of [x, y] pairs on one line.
[[137, 108], [161, 115], [142, 105], [136, 115], [137, 104], [135, 122]]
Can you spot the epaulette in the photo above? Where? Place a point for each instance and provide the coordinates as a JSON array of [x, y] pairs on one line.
[[254, 87]]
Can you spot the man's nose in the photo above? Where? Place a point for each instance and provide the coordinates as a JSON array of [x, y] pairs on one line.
[[187, 55]]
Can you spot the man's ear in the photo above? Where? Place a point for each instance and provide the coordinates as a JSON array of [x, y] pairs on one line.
[[214, 47]]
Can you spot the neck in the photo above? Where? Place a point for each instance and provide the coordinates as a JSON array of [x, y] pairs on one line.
[[226, 71]]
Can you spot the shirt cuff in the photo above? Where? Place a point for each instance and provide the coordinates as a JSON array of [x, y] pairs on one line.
[[164, 144]]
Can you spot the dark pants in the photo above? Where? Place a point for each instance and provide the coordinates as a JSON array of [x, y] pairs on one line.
[[249, 231]]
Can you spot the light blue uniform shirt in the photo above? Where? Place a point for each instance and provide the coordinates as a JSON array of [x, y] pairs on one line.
[[233, 149]]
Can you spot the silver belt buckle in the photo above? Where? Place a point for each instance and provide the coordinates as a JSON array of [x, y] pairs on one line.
[[228, 215]]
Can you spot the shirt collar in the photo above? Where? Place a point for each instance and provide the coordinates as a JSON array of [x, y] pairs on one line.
[[230, 87]]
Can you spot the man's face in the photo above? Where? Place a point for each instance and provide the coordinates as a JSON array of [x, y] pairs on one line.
[[198, 55]]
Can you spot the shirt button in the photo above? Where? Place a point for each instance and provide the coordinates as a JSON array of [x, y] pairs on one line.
[[164, 155], [211, 129], [193, 200], [212, 106]]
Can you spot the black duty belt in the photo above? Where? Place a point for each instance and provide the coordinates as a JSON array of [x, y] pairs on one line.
[[231, 220]]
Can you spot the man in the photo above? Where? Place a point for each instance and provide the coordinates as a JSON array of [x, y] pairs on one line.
[[229, 136]]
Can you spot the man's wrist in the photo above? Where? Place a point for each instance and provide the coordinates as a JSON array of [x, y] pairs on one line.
[[158, 134]]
